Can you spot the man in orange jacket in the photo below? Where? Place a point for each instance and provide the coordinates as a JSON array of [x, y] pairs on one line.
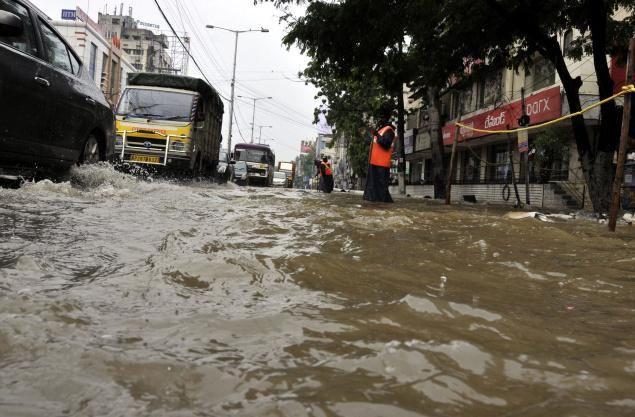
[[380, 160], [326, 176]]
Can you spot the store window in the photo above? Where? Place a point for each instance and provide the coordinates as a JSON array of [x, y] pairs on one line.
[[500, 170], [416, 172], [471, 169]]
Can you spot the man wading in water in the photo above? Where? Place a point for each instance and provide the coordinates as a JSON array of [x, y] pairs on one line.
[[326, 176], [381, 147]]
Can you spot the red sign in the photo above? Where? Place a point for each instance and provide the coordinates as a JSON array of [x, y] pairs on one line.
[[540, 107]]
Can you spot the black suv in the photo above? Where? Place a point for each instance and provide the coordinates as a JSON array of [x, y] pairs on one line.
[[52, 114]]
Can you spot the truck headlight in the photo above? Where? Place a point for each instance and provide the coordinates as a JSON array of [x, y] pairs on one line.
[[177, 146], [119, 141]]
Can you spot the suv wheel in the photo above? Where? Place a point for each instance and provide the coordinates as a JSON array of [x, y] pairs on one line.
[[91, 153]]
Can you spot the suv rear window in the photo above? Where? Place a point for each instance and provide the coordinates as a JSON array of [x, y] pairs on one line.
[[56, 51]]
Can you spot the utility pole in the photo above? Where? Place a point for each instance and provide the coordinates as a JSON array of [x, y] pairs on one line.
[[624, 138], [524, 121], [452, 167], [231, 102]]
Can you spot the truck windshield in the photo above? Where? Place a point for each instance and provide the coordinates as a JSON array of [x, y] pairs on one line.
[[156, 104], [251, 155]]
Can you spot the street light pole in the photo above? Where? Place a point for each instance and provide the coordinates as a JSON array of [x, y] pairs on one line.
[[260, 134], [231, 103], [253, 114]]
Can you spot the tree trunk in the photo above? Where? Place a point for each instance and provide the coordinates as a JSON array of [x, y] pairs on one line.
[[436, 141], [593, 162], [593, 158], [608, 140]]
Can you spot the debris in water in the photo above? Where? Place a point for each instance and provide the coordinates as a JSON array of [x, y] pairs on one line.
[[518, 215]]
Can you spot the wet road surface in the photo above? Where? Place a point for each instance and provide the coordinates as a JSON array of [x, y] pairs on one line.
[[126, 298]]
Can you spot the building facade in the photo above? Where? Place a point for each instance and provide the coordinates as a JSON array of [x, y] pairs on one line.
[[148, 52], [489, 164], [103, 57]]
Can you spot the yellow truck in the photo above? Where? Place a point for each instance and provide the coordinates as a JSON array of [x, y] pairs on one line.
[[169, 121]]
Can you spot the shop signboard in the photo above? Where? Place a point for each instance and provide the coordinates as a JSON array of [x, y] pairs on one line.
[[540, 107]]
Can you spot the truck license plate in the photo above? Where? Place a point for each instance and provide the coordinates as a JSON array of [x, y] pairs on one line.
[[148, 159]]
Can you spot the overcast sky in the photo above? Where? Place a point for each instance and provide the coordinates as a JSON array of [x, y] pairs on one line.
[[265, 67]]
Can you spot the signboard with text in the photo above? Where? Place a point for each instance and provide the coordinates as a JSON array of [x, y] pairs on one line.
[[69, 14], [541, 107]]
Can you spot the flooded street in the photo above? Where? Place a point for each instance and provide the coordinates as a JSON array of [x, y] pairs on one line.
[[127, 298]]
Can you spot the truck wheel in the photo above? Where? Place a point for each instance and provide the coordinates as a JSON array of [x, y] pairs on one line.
[[91, 153]]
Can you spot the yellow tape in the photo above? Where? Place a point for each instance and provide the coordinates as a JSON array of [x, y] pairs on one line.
[[625, 90]]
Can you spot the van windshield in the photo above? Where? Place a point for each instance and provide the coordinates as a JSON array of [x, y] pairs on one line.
[[252, 155], [280, 175], [157, 104]]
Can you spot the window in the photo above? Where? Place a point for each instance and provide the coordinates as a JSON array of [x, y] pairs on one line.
[[490, 89], [157, 104], [542, 74], [93, 60], [566, 43], [56, 51], [104, 67], [77, 64], [465, 100], [26, 41], [113, 78]]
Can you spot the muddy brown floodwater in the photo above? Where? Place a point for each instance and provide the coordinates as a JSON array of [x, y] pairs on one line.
[[126, 298]]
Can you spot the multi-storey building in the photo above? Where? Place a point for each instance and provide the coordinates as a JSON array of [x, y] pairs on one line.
[[485, 162], [148, 51], [102, 55]]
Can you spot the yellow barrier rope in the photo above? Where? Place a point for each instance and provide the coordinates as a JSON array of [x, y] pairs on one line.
[[625, 90]]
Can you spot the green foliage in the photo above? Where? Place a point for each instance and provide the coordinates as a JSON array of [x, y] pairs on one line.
[[358, 149], [376, 46]]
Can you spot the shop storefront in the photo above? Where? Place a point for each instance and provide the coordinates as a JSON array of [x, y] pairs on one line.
[[485, 158]]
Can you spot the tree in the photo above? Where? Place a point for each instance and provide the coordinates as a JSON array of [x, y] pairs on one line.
[[440, 38], [356, 41], [351, 107], [518, 30]]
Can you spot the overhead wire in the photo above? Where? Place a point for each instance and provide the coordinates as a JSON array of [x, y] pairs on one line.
[[240, 133], [196, 35], [274, 102], [184, 47]]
